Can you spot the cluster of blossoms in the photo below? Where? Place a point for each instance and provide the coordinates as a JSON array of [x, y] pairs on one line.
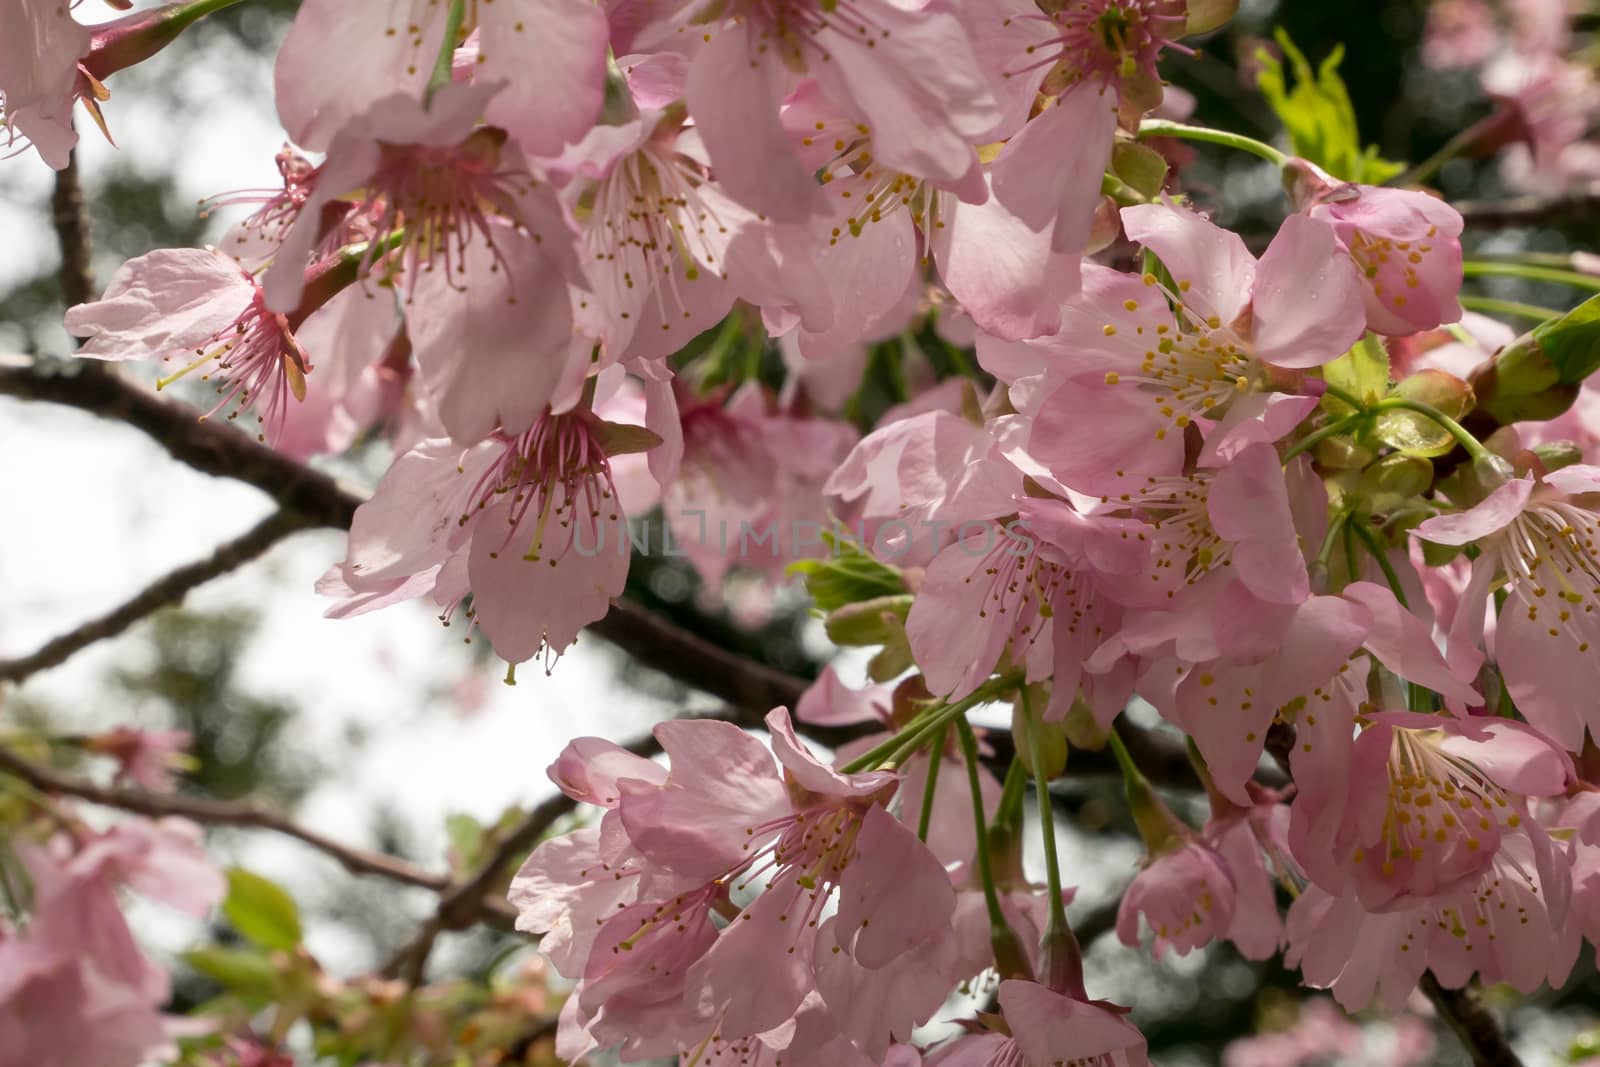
[[1529, 61], [1286, 499]]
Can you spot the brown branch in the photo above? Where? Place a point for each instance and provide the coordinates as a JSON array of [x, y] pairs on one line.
[[168, 590], [1478, 1030], [223, 813], [459, 904], [1564, 209], [71, 224], [317, 500]]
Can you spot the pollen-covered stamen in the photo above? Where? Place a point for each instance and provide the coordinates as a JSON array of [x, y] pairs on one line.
[[1391, 267], [1022, 587], [669, 919], [1189, 369], [791, 27], [556, 471], [1184, 545], [1551, 552], [279, 207], [872, 193], [1105, 40], [1496, 907], [443, 198], [1441, 812], [649, 222], [259, 362]]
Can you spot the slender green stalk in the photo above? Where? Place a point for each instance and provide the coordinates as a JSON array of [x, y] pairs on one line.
[[1514, 308], [447, 49], [1530, 272], [1047, 818], [935, 758], [1417, 697], [1333, 429], [1352, 566], [1370, 539], [1420, 173], [991, 896], [1164, 128], [1009, 810], [1465, 439], [1335, 528], [1473, 446], [190, 13], [1341, 393], [920, 730]]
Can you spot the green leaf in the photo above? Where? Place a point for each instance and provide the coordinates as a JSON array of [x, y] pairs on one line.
[[261, 910], [1141, 166], [1318, 115], [622, 438], [847, 576], [868, 622], [246, 972], [1364, 371], [1416, 434]]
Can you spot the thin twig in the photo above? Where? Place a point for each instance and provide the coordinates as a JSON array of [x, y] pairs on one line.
[[1563, 209], [170, 589], [318, 500], [71, 224], [1478, 1030], [224, 813], [459, 904]]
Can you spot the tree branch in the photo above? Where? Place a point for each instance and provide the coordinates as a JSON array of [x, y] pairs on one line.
[[313, 499], [1564, 209], [71, 224], [168, 590], [459, 904], [1478, 1030], [223, 813]]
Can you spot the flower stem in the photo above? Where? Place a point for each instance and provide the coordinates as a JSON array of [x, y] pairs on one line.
[[1157, 825], [920, 730], [1009, 956], [1416, 696], [443, 65], [1514, 308], [1452, 148], [1530, 272], [935, 758], [1473, 446], [1341, 393], [1333, 429], [1047, 818], [1164, 128]]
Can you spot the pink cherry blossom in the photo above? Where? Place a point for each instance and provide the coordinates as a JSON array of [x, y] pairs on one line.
[[523, 522], [1047, 1027], [336, 63], [147, 758], [433, 171], [1186, 895], [909, 77], [1506, 927], [197, 309], [1455, 790], [748, 491], [1406, 243], [1539, 535], [1126, 374], [39, 55]]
